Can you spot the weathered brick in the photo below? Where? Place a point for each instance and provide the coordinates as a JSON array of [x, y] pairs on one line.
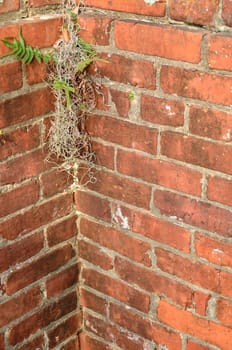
[[116, 289], [20, 305], [104, 154], [196, 151], [34, 344], [194, 212], [10, 77], [220, 190], [134, 6], [54, 182], [19, 140], [9, 6], [94, 255], [19, 198], [7, 30], [194, 11], [220, 51], [227, 12], [159, 172], [162, 111], [89, 343], [152, 227], [192, 345], [195, 272], [92, 205], [35, 72], [162, 41], [121, 102], [210, 123], [186, 322], [213, 250], [25, 107], [152, 282], [62, 280], [117, 241], [145, 327], [2, 342], [197, 85], [62, 231], [39, 268], [19, 251], [93, 302], [224, 311], [95, 30], [124, 133], [125, 70], [64, 330], [36, 217], [42, 318]]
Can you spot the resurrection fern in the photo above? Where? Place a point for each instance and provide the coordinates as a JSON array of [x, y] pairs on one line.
[[25, 52], [61, 85]]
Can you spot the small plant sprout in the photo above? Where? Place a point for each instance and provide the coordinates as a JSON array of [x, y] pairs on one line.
[[131, 95]]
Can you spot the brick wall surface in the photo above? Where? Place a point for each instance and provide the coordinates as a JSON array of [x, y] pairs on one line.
[[155, 230], [39, 307]]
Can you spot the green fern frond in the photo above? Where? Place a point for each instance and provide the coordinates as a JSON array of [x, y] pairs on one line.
[[68, 89], [24, 52]]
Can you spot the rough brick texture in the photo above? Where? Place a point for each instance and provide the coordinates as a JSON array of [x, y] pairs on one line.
[[157, 224], [39, 304]]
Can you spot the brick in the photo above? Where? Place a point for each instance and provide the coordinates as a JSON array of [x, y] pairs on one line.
[[134, 6], [152, 227], [121, 102], [219, 52], [123, 133], [20, 305], [162, 111], [62, 280], [19, 198], [224, 311], [25, 107], [116, 289], [102, 98], [113, 334], [186, 322], [104, 154], [34, 344], [7, 30], [92, 205], [145, 327], [42, 318], [54, 182], [195, 272], [35, 72], [42, 32], [152, 282], [94, 255], [213, 250], [95, 30], [89, 343], [220, 190], [159, 172], [125, 70], [116, 240], [72, 344], [227, 12], [19, 251], [10, 77], [36, 217], [9, 6], [62, 231], [93, 302], [200, 301], [193, 11], [196, 151], [191, 345], [2, 342], [194, 212], [39, 268], [19, 140], [197, 85], [37, 3], [150, 39], [210, 123], [64, 330], [122, 189]]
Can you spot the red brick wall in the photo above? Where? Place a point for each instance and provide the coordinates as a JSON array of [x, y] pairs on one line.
[[38, 265], [156, 228]]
